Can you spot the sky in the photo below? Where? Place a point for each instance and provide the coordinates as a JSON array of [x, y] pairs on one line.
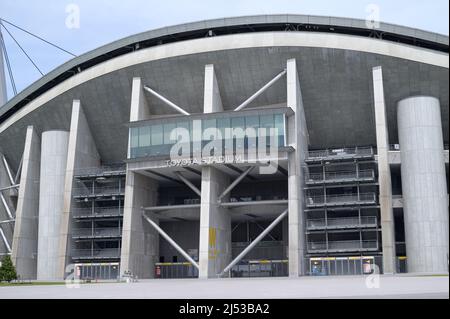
[[103, 21]]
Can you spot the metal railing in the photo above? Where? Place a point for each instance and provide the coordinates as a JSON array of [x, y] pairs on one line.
[[342, 222], [341, 153], [103, 170], [95, 191], [96, 253], [96, 232], [341, 176], [312, 201], [97, 212], [348, 245]]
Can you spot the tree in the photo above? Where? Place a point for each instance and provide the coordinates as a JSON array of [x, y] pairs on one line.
[[7, 270]]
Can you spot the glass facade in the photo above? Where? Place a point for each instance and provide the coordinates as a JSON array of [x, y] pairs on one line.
[[236, 132]]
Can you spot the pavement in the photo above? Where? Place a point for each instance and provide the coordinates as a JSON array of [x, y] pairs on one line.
[[377, 287]]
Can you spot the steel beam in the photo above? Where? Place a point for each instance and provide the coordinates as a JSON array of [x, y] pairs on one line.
[[188, 183], [171, 242], [2, 234], [173, 207], [255, 242], [7, 221], [234, 184], [5, 204], [255, 203], [260, 91], [8, 170], [166, 101], [9, 187]]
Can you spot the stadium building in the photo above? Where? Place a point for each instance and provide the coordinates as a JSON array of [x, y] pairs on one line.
[[279, 145]]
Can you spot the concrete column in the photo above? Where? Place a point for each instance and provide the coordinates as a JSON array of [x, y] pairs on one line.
[[298, 139], [384, 174], [139, 107], [215, 225], [212, 99], [82, 153], [51, 202], [3, 92], [25, 240], [215, 221], [140, 242], [424, 184]]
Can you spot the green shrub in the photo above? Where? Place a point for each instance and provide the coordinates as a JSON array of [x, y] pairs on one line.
[[7, 270]]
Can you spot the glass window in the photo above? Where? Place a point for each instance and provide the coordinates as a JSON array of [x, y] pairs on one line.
[[210, 123], [157, 135], [279, 124], [222, 124], [134, 137], [238, 122], [168, 128], [144, 136], [266, 121], [252, 122]]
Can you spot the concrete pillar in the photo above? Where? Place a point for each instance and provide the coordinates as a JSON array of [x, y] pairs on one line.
[[215, 221], [82, 153], [139, 107], [212, 99], [3, 92], [140, 242], [25, 240], [424, 184], [384, 174], [215, 225], [51, 202], [298, 139]]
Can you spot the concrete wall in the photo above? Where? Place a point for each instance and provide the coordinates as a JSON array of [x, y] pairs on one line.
[[82, 153], [424, 184], [140, 242], [384, 174], [51, 201], [185, 234], [25, 241], [297, 138]]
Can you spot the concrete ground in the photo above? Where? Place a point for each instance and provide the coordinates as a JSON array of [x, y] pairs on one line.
[[400, 287]]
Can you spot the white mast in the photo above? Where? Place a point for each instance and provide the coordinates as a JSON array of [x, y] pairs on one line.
[[3, 93]]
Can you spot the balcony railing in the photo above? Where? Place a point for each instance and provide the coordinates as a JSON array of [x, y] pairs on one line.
[[118, 169], [107, 253], [353, 245], [348, 222], [337, 200], [97, 191], [341, 153], [96, 232], [330, 177], [97, 212]]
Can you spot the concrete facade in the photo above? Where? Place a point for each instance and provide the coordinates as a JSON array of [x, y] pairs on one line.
[[424, 184], [384, 174], [82, 153], [140, 242], [25, 241], [298, 138], [338, 97], [51, 202]]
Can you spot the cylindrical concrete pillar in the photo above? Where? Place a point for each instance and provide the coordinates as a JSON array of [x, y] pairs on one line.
[[424, 184], [51, 201]]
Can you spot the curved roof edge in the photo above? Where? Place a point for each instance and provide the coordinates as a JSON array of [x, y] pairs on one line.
[[244, 24]]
